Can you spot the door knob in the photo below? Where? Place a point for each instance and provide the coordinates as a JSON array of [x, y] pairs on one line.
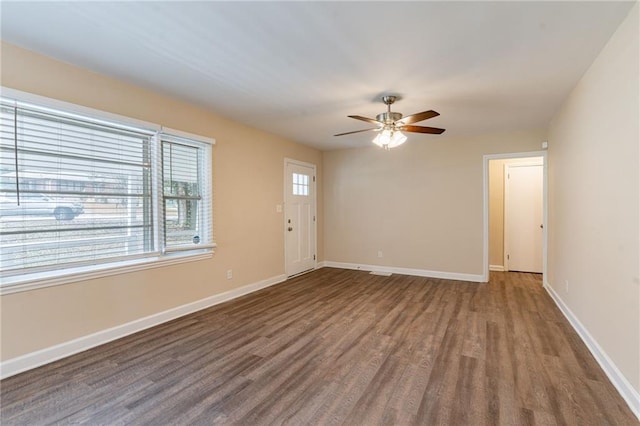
[[290, 229]]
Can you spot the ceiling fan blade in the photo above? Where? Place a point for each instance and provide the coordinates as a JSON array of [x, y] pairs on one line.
[[368, 120], [422, 129], [355, 131], [414, 118]]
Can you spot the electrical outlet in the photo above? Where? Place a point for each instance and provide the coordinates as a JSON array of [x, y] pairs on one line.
[[380, 253], [229, 274], [566, 286]]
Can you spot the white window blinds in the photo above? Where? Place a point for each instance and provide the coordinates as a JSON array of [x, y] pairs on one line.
[[73, 191], [78, 190], [186, 188]]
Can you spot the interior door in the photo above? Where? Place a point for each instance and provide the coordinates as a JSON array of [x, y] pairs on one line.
[[300, 217], [523, 218]]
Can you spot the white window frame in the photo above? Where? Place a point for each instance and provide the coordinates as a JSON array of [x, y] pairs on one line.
[[34, 280], [206, 187]]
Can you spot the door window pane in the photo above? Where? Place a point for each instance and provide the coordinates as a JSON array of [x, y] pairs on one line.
[[300, 184]]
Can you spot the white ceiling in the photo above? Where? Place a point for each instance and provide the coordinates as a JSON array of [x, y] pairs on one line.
[[297, 69]]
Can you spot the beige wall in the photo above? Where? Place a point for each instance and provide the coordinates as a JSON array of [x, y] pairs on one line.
[[496, 207], [248, 183], [420, 204], [594, 190]]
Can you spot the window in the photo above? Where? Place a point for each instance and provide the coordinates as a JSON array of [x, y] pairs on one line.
[[300, 184], [185, 207], [76, 190]]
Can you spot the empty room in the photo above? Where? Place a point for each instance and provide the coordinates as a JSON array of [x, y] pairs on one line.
[[313, 213]]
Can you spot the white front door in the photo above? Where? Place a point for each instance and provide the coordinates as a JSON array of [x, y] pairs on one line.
[[300, 217], [523, 218]]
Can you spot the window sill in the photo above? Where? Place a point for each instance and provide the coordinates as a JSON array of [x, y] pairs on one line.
[[34, 281]]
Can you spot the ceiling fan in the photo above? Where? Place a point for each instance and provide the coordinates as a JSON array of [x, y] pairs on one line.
[[392, 124]]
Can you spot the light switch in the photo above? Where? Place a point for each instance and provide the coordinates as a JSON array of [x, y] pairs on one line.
[[278, 208]]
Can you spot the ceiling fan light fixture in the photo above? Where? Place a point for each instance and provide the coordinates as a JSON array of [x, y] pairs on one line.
[[398, 139], [383, 138], [388, 139]]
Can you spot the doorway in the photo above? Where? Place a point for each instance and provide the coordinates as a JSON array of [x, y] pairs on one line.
[[300, 217], [515, 212]]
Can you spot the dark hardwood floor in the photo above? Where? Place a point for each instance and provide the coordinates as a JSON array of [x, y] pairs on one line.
[[337, 347]]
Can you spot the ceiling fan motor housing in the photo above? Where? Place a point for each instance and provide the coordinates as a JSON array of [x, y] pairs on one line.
[[388, 117]]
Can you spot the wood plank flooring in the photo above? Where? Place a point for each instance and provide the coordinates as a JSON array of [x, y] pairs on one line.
[[337, 347]]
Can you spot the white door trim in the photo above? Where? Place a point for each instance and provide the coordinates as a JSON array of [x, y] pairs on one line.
[[285, 188], [485, 208]]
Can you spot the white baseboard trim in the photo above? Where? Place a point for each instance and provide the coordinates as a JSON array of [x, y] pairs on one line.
[[496, 268], [44, 356], [405, 271], [628, 393]]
